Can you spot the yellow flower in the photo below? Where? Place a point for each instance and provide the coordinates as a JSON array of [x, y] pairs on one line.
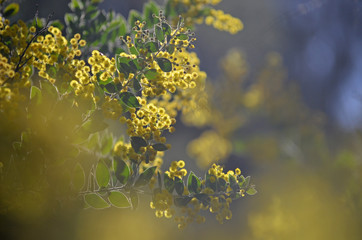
[[181, 164]]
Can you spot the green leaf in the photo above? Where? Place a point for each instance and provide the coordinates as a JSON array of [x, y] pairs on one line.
[[95, 201], [166, 29], [107, 144], [122, 170], [169, 183], [170, 49], [245, 183], [145, 177], [208, 182], [137, 143], [110, 88], [76, 4], [122, 28], [69, 18], [133, 16], [182, 201], [233, 184], [119, 200], [124, 67], [251, 191], [90, 10], [159, 33], [93, 125], [179, 185], [136, 84], [151, 74], [51, 70], [78, 177], [133, 50], [170, 10], [149, 9], [102, 174], [134, 198], [35, 95], [182, 36], [164, 64], [11, 10], [57, 24], [151, 47], [138, 43], [203, 197], [93, 142], [120, 59], [221, 184], [159, 147], [49, 90], [129, 99], [135, 66], [193, 183]]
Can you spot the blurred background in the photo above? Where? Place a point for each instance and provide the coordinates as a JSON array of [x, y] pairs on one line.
[[297, 133]]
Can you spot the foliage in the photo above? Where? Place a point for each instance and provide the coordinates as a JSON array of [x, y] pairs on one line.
[[59, 95]]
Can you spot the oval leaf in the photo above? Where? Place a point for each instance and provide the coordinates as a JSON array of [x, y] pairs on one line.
[[209, 183], [245, 183], [193, 183], [129, 99], [120, 59], [182, 36], [150, 8], [251, 191], [168, 183], [102, 174], [159, 33], [111, 88], [78, 177], [122, 170], [136, 85], [159, 147], [151, 74], [35, 94], [107, 144], [204, 198], [179, 186], [170, 49], [118, 199], [166, 28], [221, 184], [164, 64], [133, 16], [145, 177], [152, 46], [182, 201], [134, 199], [95, 201], [137, 143], [233, 184]]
